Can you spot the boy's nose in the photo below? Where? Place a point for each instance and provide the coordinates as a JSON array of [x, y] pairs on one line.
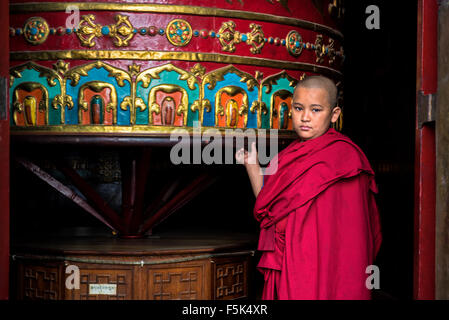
[[305, 117]]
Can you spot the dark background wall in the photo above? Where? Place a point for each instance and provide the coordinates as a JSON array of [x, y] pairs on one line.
[[380, 73]]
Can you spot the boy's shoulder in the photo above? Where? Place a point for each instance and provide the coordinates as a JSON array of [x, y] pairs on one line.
[[343, 152], [342, 144]]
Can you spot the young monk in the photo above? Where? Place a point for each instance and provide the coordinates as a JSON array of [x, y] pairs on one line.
[[319, 222]]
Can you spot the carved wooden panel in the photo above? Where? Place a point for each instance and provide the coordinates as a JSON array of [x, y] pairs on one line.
[[120, 283], [176, 283], [230, 280], [221, 278], [40, 282]]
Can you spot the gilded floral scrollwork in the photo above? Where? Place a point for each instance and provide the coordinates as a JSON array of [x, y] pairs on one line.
[[51, 75], [76, 73], [140, 104], [272, 80], [61, 67], [258, 106], [228, 36], [320, 49], [331, 49], [126, 103], [134, 69], [218, 75], [62, 101], [88, 30], [121, 31], [255, 38], [201, 104], [147, 75]]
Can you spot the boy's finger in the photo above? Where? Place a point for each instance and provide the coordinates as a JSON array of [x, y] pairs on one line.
[[253, 146]]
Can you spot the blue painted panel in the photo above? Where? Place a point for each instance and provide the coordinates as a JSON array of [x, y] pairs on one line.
[[123, 117], [167, 77], [230, 79], [282, 83], [31, 75]]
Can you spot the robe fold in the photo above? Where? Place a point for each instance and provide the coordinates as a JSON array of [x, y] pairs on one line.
[[320, 226]]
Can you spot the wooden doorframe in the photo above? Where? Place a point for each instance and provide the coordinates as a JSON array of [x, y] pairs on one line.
[[425, 151], [442, 157], [4, 150]]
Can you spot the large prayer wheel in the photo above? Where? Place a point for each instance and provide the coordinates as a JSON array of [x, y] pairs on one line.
[[128, 73], [121, 68]]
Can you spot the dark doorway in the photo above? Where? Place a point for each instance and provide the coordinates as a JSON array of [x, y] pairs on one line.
[[379, 115]]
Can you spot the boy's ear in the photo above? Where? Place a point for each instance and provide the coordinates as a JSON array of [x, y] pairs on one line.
[[335, 114]]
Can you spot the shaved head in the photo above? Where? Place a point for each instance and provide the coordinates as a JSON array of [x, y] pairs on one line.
[[322, 83]]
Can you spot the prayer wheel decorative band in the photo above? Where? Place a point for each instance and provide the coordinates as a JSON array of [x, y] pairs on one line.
[[119, 67]]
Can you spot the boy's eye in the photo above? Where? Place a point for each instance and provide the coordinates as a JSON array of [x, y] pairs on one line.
[[298, 108], [316, 110]]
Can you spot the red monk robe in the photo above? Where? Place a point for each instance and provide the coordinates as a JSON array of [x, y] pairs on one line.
[[320, 226]]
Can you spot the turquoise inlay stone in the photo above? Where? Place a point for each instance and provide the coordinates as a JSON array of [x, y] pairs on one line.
[[161, 31], [297, 44], [244, 37], [134, 30], [52, 31], [283, 42], [179, 32], [18, 32], [271, 41], [105, 30], [196, 33], [212, 34], [33, 31], [143, 31], [68, 31]]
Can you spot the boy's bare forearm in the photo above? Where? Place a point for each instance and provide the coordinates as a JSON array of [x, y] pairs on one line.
[[255, 176]]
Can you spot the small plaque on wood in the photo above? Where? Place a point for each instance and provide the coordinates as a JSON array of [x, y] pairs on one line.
[[105, 289]]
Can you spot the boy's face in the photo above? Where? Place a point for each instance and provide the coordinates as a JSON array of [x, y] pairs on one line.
[[311, 112]]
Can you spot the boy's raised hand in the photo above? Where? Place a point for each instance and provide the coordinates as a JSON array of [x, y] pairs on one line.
[[244, 157]]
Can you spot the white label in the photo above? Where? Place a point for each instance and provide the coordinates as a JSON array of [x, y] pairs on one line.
[[107, 289]]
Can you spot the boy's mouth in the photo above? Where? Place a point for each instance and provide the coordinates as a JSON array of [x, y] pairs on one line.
[[305, 128]]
